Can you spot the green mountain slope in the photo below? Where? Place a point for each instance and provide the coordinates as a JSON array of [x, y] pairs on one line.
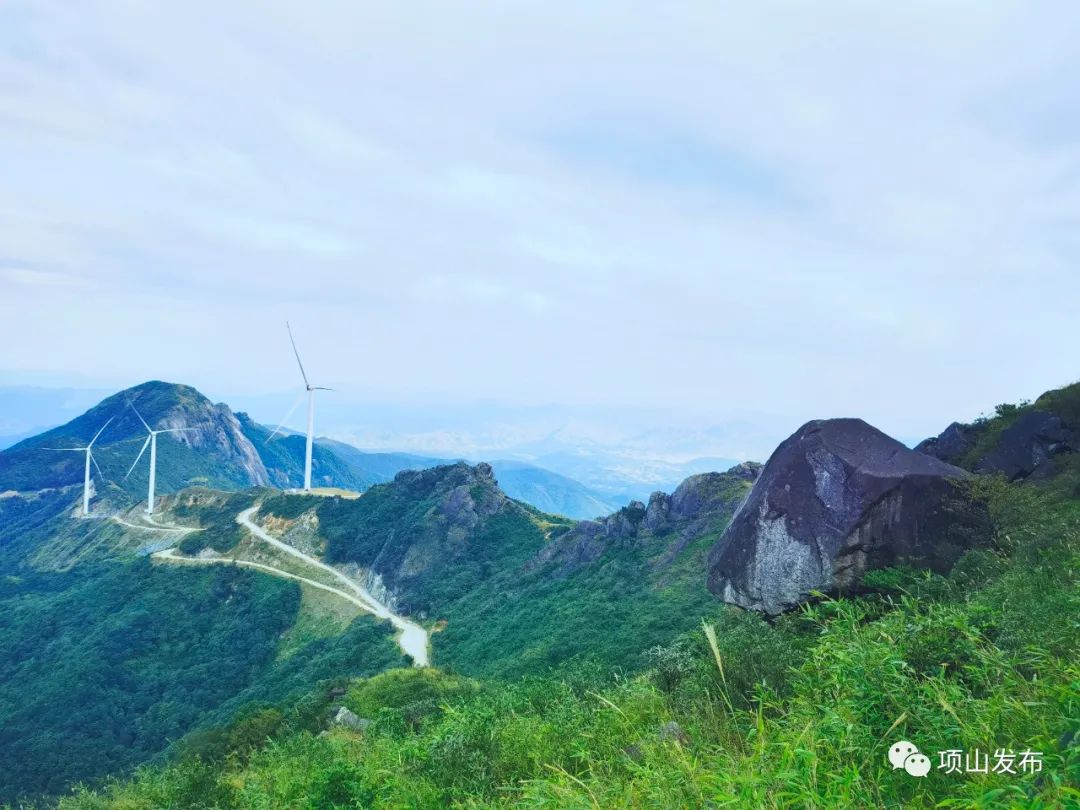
[[605, 590], [795, 713], [224, 450], [515, 590], [102, 669], [107, 658], [283, 457], [213, 453]]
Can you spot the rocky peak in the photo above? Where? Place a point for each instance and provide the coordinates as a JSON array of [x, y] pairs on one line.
[[211, 428], [223, 454], [837, 498], [747, 471], [699, 505], [1027, 448], [1023, 441], [458, 484], [950, 445]]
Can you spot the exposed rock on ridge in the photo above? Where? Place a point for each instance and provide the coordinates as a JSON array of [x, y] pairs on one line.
[[1027, 448], [837, 498], [699, 505]]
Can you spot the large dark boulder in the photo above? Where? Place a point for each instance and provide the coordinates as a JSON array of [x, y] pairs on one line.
[[837, 498], [950, 445], [1027, 448]]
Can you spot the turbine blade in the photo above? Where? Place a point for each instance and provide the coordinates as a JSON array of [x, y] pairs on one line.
[[293, 342], [292, 410], [61, 448], [320, 388], [96, 467], [145, 445], [132, 404], [99, 432], [174, 430]]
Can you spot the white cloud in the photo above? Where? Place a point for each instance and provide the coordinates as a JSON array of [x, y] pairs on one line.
[[838, 209]]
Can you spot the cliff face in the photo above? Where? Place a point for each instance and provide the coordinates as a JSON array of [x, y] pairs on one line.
[[213, 431], [433, 534], [702, 504], [213, 450], [837, 498]]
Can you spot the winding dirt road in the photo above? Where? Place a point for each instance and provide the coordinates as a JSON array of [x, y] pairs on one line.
[[412, 638]]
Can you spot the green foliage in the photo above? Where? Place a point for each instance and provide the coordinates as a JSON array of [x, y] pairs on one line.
[[100, 670], [407, 696], [288, 507], [215, 513], [283, 456], [612, 611], [798, 713], [27, 523], [455, 541]]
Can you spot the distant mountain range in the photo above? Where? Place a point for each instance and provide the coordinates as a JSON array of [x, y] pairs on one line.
[[227, 450]]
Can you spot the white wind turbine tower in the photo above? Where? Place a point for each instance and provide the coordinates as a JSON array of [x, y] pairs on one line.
[[151, 440], [86, 474], [311, 389]]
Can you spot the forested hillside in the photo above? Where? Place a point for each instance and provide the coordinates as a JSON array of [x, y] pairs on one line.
[[795, 713], [576, 663]]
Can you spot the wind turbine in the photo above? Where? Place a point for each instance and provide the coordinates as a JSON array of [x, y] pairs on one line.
[[311, 389], [86, 474], [151, 440]]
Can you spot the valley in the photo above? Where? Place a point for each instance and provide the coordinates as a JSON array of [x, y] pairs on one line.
[[461, 625]]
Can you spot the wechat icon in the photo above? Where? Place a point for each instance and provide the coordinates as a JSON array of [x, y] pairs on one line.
[[906, 755]]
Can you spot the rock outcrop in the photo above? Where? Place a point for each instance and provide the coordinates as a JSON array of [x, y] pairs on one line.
[[1027, 448], [950, 445], [428, 529], [351, 720], [837, 498], [699, 505], [212, 450]]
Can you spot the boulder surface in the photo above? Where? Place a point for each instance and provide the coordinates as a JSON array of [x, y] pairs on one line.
[[1027, 448], [837, 498]]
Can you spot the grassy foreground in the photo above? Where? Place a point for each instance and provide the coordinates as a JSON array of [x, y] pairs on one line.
[[798, 713]]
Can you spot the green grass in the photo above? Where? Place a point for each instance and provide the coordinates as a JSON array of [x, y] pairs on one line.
[[799, 713], [322, 615]]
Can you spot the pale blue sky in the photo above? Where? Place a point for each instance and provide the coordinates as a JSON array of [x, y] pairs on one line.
[[768, 212]]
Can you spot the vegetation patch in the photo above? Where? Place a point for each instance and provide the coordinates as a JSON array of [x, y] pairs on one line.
[[794, 713]]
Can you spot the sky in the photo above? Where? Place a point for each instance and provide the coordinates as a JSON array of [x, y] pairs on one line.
[[703, 214]]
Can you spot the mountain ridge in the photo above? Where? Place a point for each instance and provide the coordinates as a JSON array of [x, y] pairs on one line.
[[231, 450]]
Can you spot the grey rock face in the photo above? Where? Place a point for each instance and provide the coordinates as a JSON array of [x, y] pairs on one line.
[[349, 719], [950, 445], [698, 505], [1027, 447], [748, 470], [837, 498], [214, 429]]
